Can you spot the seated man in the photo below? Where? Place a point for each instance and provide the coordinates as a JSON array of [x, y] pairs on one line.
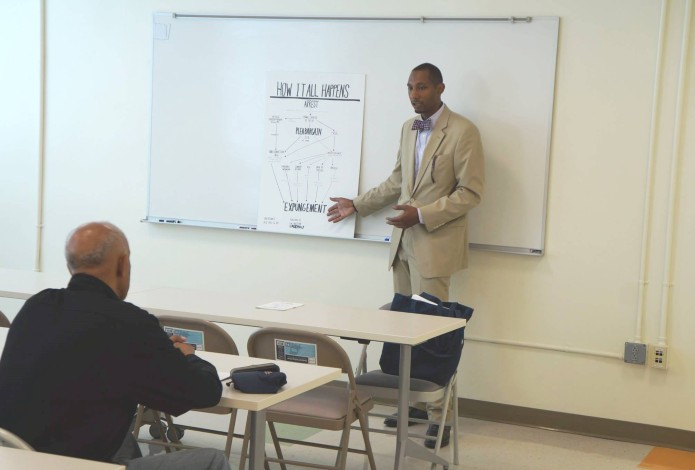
[[77, 361]]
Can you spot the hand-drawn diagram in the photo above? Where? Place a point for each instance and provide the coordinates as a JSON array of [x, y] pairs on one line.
[[313, 138]]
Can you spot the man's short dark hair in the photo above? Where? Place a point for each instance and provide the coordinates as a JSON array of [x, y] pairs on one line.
[[433, 70]]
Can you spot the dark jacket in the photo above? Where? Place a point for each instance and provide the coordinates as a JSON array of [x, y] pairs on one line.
[[76, 363]]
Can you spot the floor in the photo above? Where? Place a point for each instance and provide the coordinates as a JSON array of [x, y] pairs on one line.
[[483, 446]]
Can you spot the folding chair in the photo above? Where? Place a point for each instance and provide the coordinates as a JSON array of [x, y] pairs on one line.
[[9, 439], [217, 340], [327, 407], [384, 387], [4, 321]]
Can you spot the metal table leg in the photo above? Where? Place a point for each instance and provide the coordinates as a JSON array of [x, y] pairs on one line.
[[257, 440]]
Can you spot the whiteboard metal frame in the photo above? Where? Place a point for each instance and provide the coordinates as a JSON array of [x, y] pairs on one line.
[[422, 19]]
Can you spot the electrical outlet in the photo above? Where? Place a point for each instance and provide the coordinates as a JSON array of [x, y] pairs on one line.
[[658, 356], [635, 353]]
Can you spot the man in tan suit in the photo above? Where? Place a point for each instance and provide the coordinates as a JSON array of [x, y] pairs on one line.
[[437, 180]]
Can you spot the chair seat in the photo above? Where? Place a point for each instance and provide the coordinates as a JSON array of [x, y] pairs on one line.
[[218, 410], [380, 384], [323, 407]]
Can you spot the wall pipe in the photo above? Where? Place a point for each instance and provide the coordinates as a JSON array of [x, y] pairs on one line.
[[546, 347], [647, 222], [674, 185], [42, 135]]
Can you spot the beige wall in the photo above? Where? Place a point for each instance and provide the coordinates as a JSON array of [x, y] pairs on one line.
[[581, 296]]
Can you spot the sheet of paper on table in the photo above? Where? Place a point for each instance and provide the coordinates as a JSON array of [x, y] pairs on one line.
[[280, 305]]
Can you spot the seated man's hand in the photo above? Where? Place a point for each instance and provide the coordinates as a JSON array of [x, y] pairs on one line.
[[181, 344]]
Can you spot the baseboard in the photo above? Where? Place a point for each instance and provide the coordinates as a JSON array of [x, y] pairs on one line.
[[603, 428], [577, 424]]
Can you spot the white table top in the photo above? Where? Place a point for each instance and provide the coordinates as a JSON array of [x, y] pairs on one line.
[[300, 378], [22, 284], [240, 309], [17, 459]]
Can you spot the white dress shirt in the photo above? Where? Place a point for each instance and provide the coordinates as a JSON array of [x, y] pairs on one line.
[[421, 142]]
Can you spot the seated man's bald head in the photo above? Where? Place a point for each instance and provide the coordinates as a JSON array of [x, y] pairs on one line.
[[101, 250]]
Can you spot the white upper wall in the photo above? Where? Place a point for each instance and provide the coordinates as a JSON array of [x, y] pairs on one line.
[[582, 295], [20, 64]]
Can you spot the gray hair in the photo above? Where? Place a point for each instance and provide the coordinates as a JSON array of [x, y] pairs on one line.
[[95, 257]]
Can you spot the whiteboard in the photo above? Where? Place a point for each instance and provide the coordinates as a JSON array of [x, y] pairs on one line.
[[208, 76]]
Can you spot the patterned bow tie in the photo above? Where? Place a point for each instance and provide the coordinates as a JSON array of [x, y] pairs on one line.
[[419, 125]]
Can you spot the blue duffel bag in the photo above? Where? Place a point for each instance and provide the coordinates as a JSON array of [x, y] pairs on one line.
[[436, 359]]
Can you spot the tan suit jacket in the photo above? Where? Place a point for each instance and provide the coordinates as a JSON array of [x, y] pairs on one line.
[[448, 185]]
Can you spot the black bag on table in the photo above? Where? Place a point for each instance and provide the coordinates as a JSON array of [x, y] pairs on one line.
[[258, 378], [436, 359]]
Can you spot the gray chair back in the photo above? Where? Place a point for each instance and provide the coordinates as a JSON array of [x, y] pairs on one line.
[[4, 321], [261, 344], [9, 439], [216, 339], [326, 407]]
